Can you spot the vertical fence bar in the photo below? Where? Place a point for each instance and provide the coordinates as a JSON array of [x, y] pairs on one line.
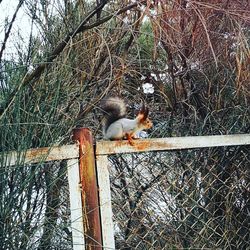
[[105, 202], [92, 226], [75, 204]]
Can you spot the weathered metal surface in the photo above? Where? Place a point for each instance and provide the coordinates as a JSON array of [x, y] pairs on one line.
[[105, 202], [90, 202], [171, 143], [42, 155], [75, 204]]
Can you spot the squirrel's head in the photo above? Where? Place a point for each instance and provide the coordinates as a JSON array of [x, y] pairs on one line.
[[144, 121]]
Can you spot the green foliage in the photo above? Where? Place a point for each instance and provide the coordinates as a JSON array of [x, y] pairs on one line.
[[145, 42], [33, 120]]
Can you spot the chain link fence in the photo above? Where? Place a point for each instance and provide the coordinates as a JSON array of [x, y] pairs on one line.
[[189, 199], [186, 199], [35, 209]]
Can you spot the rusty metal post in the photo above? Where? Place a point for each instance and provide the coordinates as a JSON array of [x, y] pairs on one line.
[[90, 202]]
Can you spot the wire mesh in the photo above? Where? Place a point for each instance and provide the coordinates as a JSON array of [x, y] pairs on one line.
[[35, 212], [191, 199]]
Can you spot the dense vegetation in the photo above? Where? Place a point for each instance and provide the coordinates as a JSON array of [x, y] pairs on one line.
[[196, 56]]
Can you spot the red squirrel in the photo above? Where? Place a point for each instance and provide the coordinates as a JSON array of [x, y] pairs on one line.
[[116, 126]]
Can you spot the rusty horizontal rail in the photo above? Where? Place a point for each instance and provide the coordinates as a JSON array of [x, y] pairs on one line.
[[45, 154], [171, 143]]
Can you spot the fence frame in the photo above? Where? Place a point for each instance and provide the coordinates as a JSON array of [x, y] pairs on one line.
[[70, 153], [88, 174], [106, 148]]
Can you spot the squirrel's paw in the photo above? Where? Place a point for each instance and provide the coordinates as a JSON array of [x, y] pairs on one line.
[[130, 139]]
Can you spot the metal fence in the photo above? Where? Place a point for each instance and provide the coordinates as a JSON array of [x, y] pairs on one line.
[[192, 199], [172, 193], [34, 215], [195, 195], [41, 204]]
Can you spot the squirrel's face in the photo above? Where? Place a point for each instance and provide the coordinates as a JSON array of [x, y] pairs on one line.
[[144, 121], [147, 124]]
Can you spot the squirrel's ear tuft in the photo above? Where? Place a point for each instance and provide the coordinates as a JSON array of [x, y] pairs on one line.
[[143, 114]]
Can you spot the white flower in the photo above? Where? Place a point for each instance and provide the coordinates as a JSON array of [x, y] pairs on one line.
[[154, 76], [148, 88]]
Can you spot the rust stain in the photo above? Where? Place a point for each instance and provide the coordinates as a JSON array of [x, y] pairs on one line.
[[142, 145], [163, 145], [138, 145], [89, 187], [37, 153]]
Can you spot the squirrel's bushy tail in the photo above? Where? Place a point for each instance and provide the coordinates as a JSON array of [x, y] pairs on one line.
[[114, 108]]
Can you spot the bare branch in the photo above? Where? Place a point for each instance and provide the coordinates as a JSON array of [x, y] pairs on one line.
[[7, 34], [82, 27]]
